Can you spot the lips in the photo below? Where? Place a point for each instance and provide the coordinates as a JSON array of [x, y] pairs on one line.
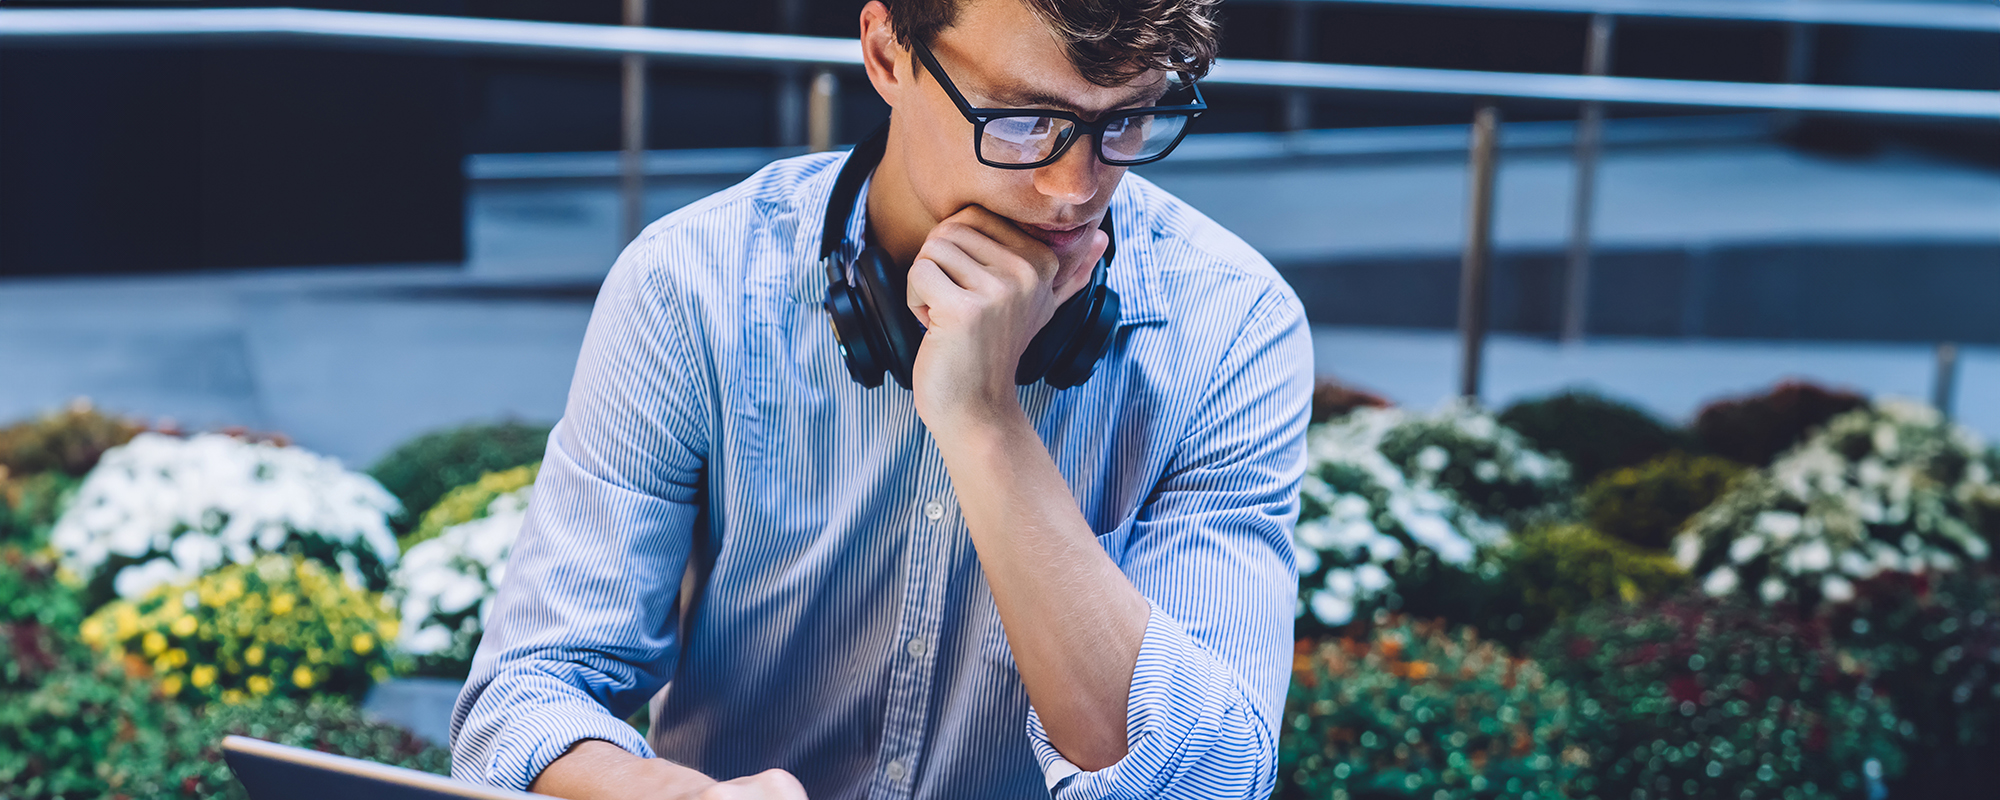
[[1057, 238]]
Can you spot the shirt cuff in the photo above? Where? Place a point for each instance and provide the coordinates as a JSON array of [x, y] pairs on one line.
[[1181, 699], [533, 741]]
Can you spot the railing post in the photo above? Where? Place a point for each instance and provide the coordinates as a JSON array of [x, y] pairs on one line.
[[1944, 385], [1583, 203], [1483, 163], [1298, 46], [632, 151], [791, 81], [1799, 40], [820, 111]]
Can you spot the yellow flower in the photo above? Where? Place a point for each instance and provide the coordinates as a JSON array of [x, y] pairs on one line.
[[202, 676], [390, 628], [260, 685], [363, 644], [126, 618], [232, 697], [93, 632], [254, 655], [154, 643], [302, 677], [170, 685], [176, 656], [282, 604], [185, 626]]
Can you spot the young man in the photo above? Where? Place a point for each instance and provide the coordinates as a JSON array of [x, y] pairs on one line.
[[963, 588]]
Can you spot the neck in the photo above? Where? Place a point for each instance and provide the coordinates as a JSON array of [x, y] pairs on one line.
[[896, 220]]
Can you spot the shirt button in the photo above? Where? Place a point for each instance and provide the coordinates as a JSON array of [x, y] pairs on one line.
[[917, 647], [934, 510], [896, 770]]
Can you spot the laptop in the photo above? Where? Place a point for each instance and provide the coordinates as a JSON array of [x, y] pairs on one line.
[[271, 771]]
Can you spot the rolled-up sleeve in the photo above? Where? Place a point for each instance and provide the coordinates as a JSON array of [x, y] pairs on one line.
[[1211, 551], [583, 630]]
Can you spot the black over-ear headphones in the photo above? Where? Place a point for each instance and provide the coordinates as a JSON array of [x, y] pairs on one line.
[[871, 315]]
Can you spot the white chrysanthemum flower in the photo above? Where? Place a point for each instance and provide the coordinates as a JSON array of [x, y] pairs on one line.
[[1746, 548], [1864, 495], [1433, 459], [1836, 589], [1386, 512], [443, 578], [1720, 582], [1772, 590], [1332, 610], [1340, 582], [181, 507]]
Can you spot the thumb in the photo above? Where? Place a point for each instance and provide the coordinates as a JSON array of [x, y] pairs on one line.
[[1076, 276]]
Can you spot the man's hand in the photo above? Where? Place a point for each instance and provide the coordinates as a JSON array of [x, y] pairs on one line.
[[594, 769], [983, 288]]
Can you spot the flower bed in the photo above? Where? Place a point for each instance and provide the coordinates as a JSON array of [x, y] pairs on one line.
[[162, 509]]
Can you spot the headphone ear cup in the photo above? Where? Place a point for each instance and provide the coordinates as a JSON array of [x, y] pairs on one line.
[[1074, 364], [860, 347], [885, 301]]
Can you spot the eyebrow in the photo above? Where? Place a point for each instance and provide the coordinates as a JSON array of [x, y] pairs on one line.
[[1019, 98]]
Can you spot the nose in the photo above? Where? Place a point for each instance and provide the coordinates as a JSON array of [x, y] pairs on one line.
[[1072, 179]]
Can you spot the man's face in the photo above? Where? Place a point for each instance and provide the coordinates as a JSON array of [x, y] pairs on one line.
[[1000, 55]]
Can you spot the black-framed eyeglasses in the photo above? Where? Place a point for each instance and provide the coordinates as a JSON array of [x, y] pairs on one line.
[[1026, 138]]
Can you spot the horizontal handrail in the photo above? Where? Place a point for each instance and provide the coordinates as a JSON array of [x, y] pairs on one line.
[[300, 24], [1643, 91], [282, 24], [1871, 13]]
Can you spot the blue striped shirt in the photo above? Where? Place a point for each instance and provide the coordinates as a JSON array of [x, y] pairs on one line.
[[835, 622]]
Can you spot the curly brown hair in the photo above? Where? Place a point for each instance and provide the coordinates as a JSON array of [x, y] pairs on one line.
[[1109, 41]]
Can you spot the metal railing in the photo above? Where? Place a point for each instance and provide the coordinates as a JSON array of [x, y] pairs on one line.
[[635, 45], [1869, 13], [1799, 17]]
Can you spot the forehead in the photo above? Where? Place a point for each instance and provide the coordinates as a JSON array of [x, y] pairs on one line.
[[1000, 51]]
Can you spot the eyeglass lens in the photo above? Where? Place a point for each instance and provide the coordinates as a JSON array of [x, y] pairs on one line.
[[1026, 140]]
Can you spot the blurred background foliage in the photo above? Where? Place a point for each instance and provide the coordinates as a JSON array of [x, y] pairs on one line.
[[419, 472]]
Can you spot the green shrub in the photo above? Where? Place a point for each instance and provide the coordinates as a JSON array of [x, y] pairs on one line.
[[1756, 428], [67, 441], [58, 738], [279, 625], [1712, 698], [38, 618], [1422, 711], [30, 505], [1646, 505], [420, 471], [1934, 641], [192, 767], [60, 713], [1560, 571], [1595, 434]]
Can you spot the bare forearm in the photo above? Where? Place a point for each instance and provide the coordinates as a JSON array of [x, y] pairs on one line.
[[1073, 620], [594, 770]]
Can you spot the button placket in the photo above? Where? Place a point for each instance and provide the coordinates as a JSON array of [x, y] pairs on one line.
[[923, 598]]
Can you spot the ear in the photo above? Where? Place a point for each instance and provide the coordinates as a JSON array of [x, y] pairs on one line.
[[887, 61]]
